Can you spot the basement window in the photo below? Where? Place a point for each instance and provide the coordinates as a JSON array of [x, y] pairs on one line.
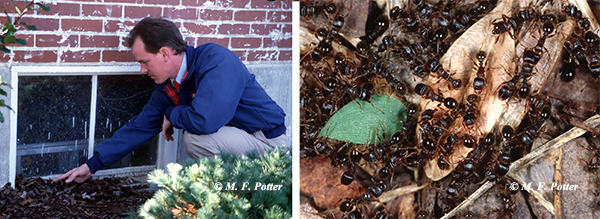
[[63, 113]]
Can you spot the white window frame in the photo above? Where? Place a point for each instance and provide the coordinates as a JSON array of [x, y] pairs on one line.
[[166, 151]]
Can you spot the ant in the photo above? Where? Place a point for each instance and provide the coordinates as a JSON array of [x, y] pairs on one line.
[[567, 73], [451, 140], [467, 18], [594, 163], [592, 40], [479, 81], [513, 22], [468, 141], [575, 48], [309, 10], [574, 12], [471, 113], [433, 65], [372, 193], [398, 85], [348, 175], [381, 25], [426, 92], [594, 64], [382, 214]]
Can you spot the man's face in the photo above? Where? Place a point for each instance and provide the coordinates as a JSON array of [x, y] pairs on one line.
[[154, 65]]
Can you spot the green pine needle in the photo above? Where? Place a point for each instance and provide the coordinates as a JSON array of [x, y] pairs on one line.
[[194, 187]]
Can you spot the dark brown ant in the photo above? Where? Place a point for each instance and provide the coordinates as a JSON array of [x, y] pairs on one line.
[[387, 43], [395, 13], [531, 57], [569, 68], [574, 12], [479, 81], [503, 164], [460, 23], [426, 92], [594, 163], [398, 85], [507, 90], [480, 9], [348, 175], [363, 93], [575, 48], [381, 25], [529, 134], [594, 64], [468, 141], [442, 163], [451, 140], [372, 193], [382, 214], [421, 214], [592, 41], [309, 10], [471, 113], [513, 22], [469, 215], [425, 11], [507, 132], [434, 66]]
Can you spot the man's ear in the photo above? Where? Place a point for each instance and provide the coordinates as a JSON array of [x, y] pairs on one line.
[[165, 52]]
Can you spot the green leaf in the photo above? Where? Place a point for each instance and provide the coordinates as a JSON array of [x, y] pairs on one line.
[[4, 49], [29, 27], [42, 6], [2, 92], [360, 122], [4, 104], [1, 118], [9, 39], [21, 41]]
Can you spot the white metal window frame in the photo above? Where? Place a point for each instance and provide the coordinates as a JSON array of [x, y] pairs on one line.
[[166, 151]]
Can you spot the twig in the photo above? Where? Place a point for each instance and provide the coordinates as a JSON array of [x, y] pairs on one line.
[[19, 17], [528, 160], [390, 195], [545, 203]]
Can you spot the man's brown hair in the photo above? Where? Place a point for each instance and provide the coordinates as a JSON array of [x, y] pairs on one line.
[[156, 33]]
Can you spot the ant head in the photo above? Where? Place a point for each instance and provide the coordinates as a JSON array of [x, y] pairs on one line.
[[481, 56]]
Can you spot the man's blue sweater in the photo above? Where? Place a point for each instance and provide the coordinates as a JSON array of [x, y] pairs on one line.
[[219, 91]]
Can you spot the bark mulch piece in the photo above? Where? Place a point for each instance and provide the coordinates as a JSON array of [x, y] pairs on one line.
[[95, 198]]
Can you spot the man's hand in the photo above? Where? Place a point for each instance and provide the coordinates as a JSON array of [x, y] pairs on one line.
[[79, 174], [167, 129]]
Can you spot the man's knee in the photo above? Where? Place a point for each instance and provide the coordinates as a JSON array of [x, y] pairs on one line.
[[230, 139], [199, 146]]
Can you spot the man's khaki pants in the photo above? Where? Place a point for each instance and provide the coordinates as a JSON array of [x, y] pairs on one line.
[[231, 139]]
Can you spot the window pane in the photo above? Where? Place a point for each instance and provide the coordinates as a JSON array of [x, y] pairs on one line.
[[52, 123], [120, 98]]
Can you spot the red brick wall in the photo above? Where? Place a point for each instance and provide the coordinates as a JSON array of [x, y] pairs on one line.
[[94, 30]]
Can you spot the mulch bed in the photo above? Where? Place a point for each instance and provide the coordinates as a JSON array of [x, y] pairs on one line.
[[95, 198]]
